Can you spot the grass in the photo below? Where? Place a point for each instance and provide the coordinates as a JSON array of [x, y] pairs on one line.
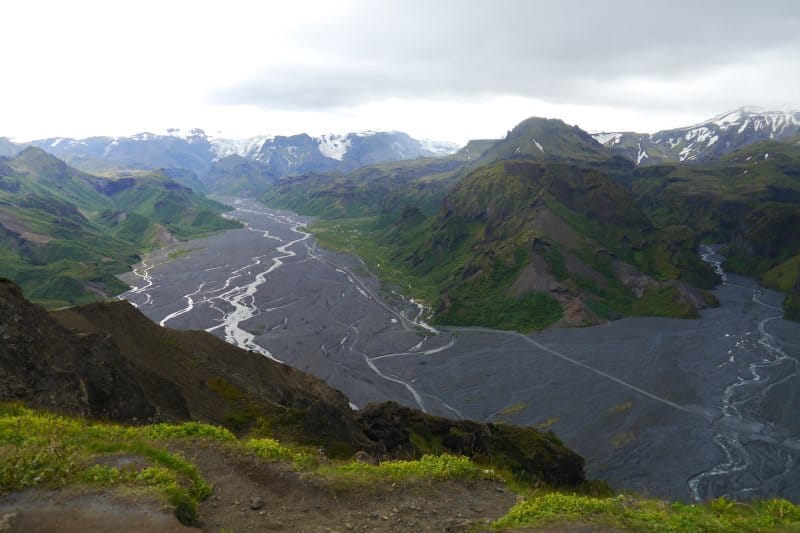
[[427, 467], [630, 513], [479, 301], [39, 449], [42, 449]]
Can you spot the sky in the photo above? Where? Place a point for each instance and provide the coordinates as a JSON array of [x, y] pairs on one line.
[[437, 69]]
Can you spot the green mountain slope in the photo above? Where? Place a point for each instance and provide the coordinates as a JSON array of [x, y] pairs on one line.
[[537, 228], [613, 239], [66, 234], [524, 244], [377, 188], [236, 175], [750, 199]]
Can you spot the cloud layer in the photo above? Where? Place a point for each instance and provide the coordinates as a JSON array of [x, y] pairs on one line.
[[644, 55], [450, 69]]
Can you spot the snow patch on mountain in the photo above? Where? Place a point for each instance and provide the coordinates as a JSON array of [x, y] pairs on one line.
[[642, 154], [605, 138], [334, 146], [242, 147], [439, 148]]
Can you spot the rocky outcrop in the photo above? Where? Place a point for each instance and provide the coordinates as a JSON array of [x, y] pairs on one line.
[[46, 365], [407, 432]]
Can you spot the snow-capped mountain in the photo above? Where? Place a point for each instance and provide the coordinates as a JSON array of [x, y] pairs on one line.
[[303, 153], [190, 150], [195, 151], [708, 140], [8, 148]]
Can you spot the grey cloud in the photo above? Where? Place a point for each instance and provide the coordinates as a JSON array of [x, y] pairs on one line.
[[562, 52]]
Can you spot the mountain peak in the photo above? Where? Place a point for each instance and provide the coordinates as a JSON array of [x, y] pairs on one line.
[[40, 163], [548, 138]]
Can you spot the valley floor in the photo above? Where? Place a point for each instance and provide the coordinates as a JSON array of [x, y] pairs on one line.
[[677, 409]]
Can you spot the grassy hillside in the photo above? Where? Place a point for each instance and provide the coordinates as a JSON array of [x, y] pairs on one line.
[[168, 461], [236, 176], [67, 234], [534, 229], [785, 277], [523, 244], [377, 188], [486, 242], [106, 361]]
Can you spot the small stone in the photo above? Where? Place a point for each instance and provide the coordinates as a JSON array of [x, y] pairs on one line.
[[363, 457], [7, 521], [384, 517], [348, 526], [256, 503]]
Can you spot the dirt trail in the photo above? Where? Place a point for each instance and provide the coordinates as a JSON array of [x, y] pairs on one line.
[[71, 511], [293, 502], [284, 501]]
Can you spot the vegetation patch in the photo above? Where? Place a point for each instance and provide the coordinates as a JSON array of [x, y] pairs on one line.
[[627, 512], [42, 449], [428, 467], [513, 409], [302, 458], [622, 407], [47, 450]]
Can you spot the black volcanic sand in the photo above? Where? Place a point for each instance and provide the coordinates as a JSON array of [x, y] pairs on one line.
[[672, 408]]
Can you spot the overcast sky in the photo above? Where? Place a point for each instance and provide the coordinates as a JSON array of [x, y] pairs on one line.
[[440, 69]]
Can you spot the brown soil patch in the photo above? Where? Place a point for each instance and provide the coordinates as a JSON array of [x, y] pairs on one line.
[[12, 224], [68, 511], [296, 502], [534, 277], [576, 266], [550, 224]]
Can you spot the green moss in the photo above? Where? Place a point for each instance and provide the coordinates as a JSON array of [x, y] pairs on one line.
[[272, 450], [426, 443], [425, 468], [39, 448], [664, 301], [513, 409]]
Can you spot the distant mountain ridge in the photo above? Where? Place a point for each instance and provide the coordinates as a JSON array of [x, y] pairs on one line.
[[196, 151], [707, 140]]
